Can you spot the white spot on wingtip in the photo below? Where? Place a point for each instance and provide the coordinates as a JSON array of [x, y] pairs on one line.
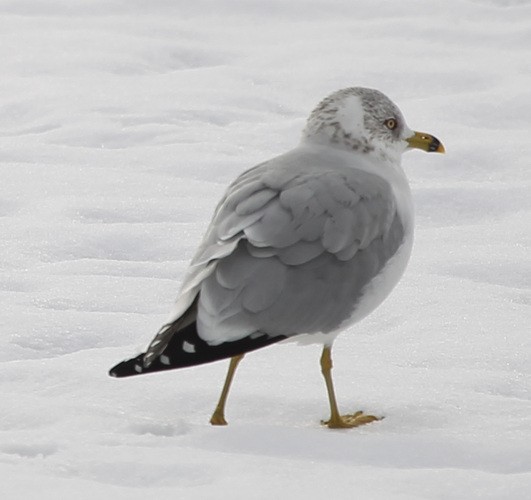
[[189, 348], [138, 368], [165, 360]]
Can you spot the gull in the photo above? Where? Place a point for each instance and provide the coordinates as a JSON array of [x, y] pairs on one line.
[[300, 246]]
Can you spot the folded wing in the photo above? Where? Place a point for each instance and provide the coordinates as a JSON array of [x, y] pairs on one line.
[[289, 251]]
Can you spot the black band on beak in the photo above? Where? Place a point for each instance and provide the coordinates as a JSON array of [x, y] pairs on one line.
[[434, 145]]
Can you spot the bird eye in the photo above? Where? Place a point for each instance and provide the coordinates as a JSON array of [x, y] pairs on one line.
[[391, 123]]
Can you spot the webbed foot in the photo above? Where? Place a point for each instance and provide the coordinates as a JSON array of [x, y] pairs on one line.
[[349, 421]]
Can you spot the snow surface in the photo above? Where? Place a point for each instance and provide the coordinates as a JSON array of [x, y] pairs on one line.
[[120, 125]]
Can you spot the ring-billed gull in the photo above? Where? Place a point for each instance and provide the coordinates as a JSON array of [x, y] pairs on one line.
[[304, 244]]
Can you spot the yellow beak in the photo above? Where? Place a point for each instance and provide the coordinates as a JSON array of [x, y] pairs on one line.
[[426, 142]]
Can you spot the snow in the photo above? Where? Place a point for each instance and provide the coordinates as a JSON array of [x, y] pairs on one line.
[[120, 125]]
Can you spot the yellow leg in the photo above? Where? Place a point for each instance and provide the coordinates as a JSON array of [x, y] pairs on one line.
[[336, 420], [218, 417]]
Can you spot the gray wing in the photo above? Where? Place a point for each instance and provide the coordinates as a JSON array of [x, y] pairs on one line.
[[291, 250]]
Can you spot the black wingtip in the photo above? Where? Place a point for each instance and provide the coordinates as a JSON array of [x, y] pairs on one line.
[[186, 348], [128, 368]]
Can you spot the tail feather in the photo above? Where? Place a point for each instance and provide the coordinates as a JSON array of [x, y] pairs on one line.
[[186, 348]]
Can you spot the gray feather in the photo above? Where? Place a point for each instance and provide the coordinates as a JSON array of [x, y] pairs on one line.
[[310, 240], [255, 202]]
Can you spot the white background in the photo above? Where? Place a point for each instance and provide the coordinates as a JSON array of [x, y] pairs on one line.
[[121, 122]]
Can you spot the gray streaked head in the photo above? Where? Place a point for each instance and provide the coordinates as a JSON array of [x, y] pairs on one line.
[[358, 119]]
